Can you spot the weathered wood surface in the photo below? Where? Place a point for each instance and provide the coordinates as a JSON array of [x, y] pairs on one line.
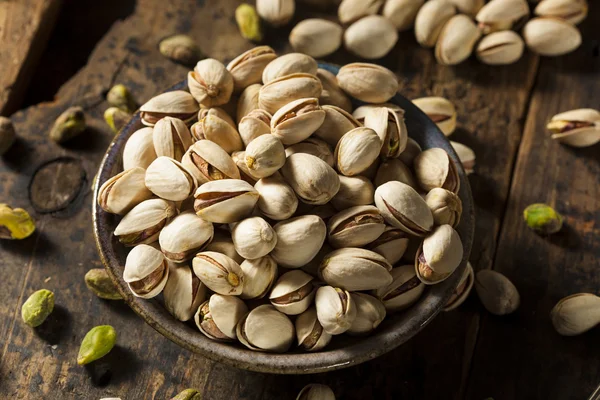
[[437, 364]]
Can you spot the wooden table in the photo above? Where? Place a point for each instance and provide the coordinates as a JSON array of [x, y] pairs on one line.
[[465, 354]]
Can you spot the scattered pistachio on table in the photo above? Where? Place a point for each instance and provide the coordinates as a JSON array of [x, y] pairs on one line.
[[98, 281], [276, 12], [577, 128], [549, 36], [440, 110], [188, 394], [7, 134], [119, 96], [543, 219], [576, 314], [496, 292], [316, 37], [116, 118], [180, 48], [248, 22], [68, 125], [97, 343], [15, 223], [37, 307], [573, 11], [316, 391]]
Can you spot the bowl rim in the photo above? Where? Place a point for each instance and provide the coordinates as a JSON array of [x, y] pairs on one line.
[[405, 324]]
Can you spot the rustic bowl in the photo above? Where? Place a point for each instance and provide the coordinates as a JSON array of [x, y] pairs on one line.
[[343, 351]]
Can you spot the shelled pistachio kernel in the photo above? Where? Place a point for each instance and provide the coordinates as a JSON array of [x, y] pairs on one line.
[[97, 343], [98, 281], [543, 219], [68, 125], [116, 118], [37, 307], [248, 22], [15, 223], [119, 96], [188, 394]]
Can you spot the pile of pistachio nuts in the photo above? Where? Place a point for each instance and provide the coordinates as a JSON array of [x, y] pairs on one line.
[[266, 208]]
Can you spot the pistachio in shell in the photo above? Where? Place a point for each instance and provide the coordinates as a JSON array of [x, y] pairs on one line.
[[439, 255], [496, 292]]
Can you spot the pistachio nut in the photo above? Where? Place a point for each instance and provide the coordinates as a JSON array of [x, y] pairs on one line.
[[336, 124], [316, 391], [183, 292], [413, 149], [222, 243], [97, 343], [354, 191], [336, 310], [309, 332], [434, 168], [550, 36], [288, 64], [468, 7], [402, 13], [120, 97], [316, 37], [266, 329], [180, 48], [402, 207], [460, 294], [361, 112], [184, 236], [259, 276], [219, 273], [351, 10], [187, 394], [371, 37], [284, 90], [370, 312], [265, 155], [146, 271], [277, 199], [293, 292], [219, 130], [394, 170], [15, 223], [496, 292], [312, 146], [456, 41], [403, 292], [577, 128], [98, 281], [116, 118], [254, 124], [465, 155], [276, 12], [543, 219], [68, 125], [207, 161], [332, 94], [253, 238], [218, 316], [123, 191], [576, 314], [430, 20], [391, 244], [298, 240], [391, 129], [297, 120], [7, 134], [144, 222], [139, 149], [176, 104], [37, 307], [573, 11], [355, 269], [239, 158], [499, 15], [248, 22], [440, 254], [225, 200], [248, 67], [445, 206], [169, 179], [500, 48], [171, 138], [248, 101], [355, 227], [313, 181], [368, 82], [210, 83], [356, 150]]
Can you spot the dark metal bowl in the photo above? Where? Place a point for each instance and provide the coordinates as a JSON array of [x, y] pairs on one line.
[[343, 351]]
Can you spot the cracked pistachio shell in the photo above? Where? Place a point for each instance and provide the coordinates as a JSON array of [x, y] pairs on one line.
[[144, 222], [465, 155], [356, 151], [402, 13], [98, 281], [248, 22], [573, 11], [225, 200], [355, 269], [169, 180], [253, 237], [332, 94], [468, 7], [313, 181], [440, 254], [288, 64], [219, 273], [576, 314], [355, 226], [394, 170], [239, 158], [313, 146], [434, 168], [248, 101], [293, 292], [404, 290], [177, 104], [124, 191], [180, 48], [496, 292], [207, 161], [336, 310], [309, 332], [297, 120], [259, 276], [500, 48], [265, 155], [370, 83], [390, 127], [361, 112], [222, 243], [391, 244], [354, 191], [577, 128], [499, 15], [550, 36], [248, 67], [266, 329], [316, 37], [460, 294], [371, 37], [218, 316], [253, 125], [336, 124], [284, 90], [352, 10], [139, 149], [445, 206], [183, 292], [430, 20], [412, 150], [404, 208], [456, 41], [7, 135], [184, 236], [219, 130], [210, 83], [276, 12], [171, 138], [37, 307], [299, 239], [146, 271], [316, 391], [370, 312], [277, 199]]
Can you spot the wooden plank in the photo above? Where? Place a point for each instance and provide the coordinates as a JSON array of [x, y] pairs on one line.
[[521, 356], [24, 30]]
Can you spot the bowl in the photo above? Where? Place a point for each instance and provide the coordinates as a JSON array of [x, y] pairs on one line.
[[343, 351]]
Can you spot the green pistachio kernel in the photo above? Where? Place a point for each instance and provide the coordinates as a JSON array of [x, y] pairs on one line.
[[249, 22], [188, 394], [15, 223], [119, 96], [37, 307], [68, 125], [116, 118], [97, 343], [543, 219], [98, 281]]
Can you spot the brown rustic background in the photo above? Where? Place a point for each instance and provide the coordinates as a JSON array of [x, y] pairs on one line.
[[55, 53]]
